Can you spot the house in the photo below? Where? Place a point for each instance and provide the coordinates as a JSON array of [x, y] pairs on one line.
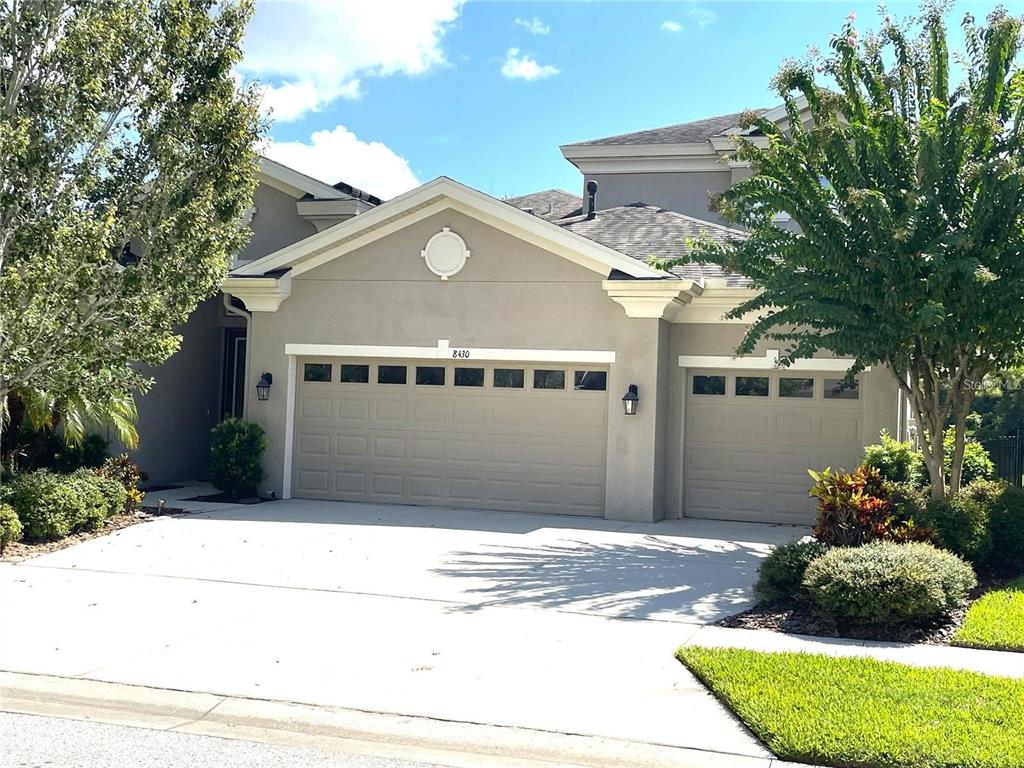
[[447, 348]]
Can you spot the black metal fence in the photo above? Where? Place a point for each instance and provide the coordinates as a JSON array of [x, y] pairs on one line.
[[1007, 454]]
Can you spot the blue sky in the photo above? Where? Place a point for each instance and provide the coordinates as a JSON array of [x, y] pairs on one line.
[[388, 93]]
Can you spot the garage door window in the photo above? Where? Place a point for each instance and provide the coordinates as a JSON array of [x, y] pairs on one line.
[[430, 375], [509, 378], [709, 385], [355, 374], [793, 387], [391, 374], [469, 377], [837, 389], [593, 381], [548, 379], [752, 386], [317, 372]]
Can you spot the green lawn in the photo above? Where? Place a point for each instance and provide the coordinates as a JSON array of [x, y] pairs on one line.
[[862, 712], [995, 621]]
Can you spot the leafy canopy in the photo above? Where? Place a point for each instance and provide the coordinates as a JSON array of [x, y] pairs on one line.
[[126, 161], [907, 193]]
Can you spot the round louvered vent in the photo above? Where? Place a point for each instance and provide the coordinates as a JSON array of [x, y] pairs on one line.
[[445, 254]]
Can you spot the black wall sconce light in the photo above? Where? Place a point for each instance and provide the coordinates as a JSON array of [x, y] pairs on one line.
[[263, 386], [630, 400]]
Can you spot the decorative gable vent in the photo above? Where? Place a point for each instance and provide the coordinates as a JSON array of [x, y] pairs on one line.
[[445, 254]]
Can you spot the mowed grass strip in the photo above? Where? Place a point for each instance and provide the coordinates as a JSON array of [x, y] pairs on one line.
[[863, 712], [995, 621]]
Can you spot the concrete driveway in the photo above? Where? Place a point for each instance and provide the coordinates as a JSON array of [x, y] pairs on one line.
[[553, 623]]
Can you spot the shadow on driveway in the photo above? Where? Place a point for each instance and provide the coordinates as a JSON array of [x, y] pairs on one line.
[[643, 578]]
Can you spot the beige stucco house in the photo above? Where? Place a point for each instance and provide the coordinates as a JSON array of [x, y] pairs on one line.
[[447, 348]]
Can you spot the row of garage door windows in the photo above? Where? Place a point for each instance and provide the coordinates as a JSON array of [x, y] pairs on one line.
[[788, 386], [436, 375]]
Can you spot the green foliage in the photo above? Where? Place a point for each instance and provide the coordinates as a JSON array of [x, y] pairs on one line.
[[10, 526], [115, 496], [995, 621], [885, 584], [781, 575], [977, 464], [857, 507], [961, 525], [895, 461], [236, 457], [127, 158], [907, 192], [127, 473], [864, 713], [1005, 506], [51, 506]]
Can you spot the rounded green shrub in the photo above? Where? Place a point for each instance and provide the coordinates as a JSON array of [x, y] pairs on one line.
[[884, 584], [1005, 506], [236, 457], [961, 524], [114, 494], [51, 506], [977, 464], [781, 574], [895, 461], [10, 527]]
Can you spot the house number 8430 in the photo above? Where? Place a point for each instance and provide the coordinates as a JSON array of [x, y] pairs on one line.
[[460, 354]]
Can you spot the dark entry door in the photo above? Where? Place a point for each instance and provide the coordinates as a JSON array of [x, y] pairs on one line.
[[233, 380]]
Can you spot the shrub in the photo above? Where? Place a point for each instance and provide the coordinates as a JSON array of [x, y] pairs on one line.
[[1006, 524], [114, 494], [781, 574], [10, 527], [895, 461], [126, 472], [51, 506], [96, 497], [977, 464], [236, 457], [857, 507], [884, 584], [961, 525]]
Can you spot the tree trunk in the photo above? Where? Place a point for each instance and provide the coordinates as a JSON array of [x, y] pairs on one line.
[[956, 468]]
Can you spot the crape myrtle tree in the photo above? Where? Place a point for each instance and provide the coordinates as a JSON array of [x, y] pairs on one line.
[[126, 162], [908, 193]]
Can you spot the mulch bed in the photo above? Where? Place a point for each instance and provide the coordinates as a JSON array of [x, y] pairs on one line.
[[227, 498], [22, 551], [796, 618]]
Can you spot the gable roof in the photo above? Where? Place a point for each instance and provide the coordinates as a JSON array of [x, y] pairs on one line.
[[304, 187], [434, 197], [549, 204], [693, 132], [646, 232]]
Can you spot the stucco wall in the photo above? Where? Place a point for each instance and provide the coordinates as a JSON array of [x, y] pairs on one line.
[[276, 223], [510, 295], [684, 192], [176, 415]]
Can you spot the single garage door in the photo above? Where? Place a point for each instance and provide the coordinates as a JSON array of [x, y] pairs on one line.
[[491, 436], [750, 438]]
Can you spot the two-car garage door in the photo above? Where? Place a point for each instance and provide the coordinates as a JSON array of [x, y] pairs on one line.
[[507, 436], [751, 436]]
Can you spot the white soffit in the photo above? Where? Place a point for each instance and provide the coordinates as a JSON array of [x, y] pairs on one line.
[[769, 362]]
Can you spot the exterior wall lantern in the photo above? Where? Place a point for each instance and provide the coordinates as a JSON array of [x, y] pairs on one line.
[[263, 386], [630, 400]]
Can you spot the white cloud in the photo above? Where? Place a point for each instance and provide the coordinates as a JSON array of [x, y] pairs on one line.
[[703, 17], [534, 26], [522, 66], [339, 155], [671, 26], [311, 53]]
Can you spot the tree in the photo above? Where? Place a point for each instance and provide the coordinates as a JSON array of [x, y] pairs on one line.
[[908, 194], [126, 161]]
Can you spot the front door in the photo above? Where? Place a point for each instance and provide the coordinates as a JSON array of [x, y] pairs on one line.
[[233, 376]]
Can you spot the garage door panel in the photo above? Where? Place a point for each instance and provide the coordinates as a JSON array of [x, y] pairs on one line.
[[746, 458], [316, 408], [531, 450]]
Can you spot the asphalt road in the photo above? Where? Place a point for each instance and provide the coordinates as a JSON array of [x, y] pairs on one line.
[[29, 741]]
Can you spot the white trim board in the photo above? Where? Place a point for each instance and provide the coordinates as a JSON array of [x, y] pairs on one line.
[[769, 362], [289, 429], [444, 351]]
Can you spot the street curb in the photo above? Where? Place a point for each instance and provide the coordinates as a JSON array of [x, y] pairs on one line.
[[455, 744]]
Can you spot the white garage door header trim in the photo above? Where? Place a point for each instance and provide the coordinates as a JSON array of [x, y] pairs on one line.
[[769, 362], [444, 351]]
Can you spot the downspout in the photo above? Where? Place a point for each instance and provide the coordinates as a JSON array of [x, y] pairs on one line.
[[236, 312]]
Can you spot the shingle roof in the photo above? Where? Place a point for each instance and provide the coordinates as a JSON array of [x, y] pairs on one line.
[[693, 132], [551, 204], [646, 231]]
